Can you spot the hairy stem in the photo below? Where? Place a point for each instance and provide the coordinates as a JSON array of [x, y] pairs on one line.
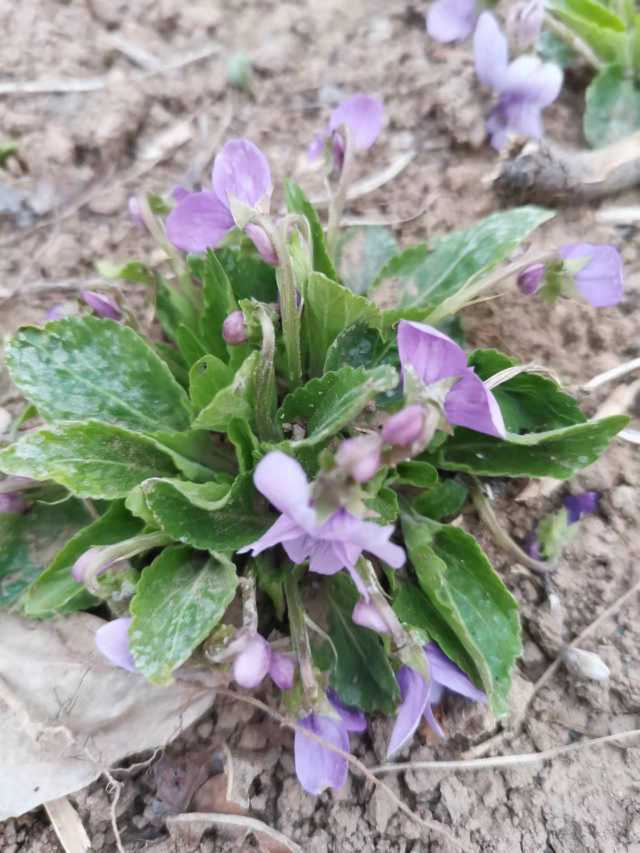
[[300, 637], [339, 198]]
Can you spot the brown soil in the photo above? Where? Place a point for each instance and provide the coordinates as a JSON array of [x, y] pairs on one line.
[[67, 207]]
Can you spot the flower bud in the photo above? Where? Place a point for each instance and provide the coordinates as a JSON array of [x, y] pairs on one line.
[[94, 562], [524, 22], [366, 614], [282, 670], [252, 663], [586, 665], [405, 427], [360, 457], [234, 329], [101, 305], [530, 280], [597, 272], [263, 244], [12, 502], [112, 641]]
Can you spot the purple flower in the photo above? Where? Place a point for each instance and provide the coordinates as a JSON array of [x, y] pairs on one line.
[[360, 457], [256, 659], [13, 502], [234, 328], [524, 86], [101, 305], [451, 20], [362, 114], [93, 557], [202, 220], [282, 670], [601, 280], [405, 427], [366, 614], [135, 213], [579, 505], [334, 544], [317, 767], [112, 640], [57, 312], [530, 280], [524, 22], [419, 697], [434, 357]]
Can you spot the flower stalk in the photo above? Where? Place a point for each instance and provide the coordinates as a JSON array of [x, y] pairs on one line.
[[300, 639]]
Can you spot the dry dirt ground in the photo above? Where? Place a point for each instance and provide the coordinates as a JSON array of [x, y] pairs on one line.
[[83, 152]]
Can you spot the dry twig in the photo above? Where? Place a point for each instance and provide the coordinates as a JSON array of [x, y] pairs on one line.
[[68, 826]]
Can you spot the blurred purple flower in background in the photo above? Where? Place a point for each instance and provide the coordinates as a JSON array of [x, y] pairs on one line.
[[362, 114], [579, 505], [103, 306], [601, 280], [451, 20], [201, 220], [530, 280], [359, 457], [234, 328], [317, 767], [330, 546], [13, 502], [419, 697], [524, 87], [405, 427], [524, 22], [434, 357]]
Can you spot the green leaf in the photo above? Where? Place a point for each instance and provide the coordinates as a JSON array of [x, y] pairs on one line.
[[174, 361], [595, 24], [362, 676], [329, 309], [554, 533], [250, 277], [246, 445], [443, 500], [235, 401], [270, 576], [218, 301], [208, 376], [173, 308], [92, 459], [29, 541], [226, 524], [612, 107], [559, 453], [528, 402], [423, 285], [133, 271], [419, 474], [414, 609], [325, 405], [179, 600], [357, 346], [297, 202], [55, 589], [194, 454], [85, 367], [385, 505], [361, 254], [460, 583], [190, 345]]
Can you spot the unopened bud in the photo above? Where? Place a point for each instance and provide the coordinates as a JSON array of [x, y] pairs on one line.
[[282, 670], [12, 502], [101, 305], [252, 663], [524, 22], [366, 614], [263, 244], [405, 427], [93, 562], [234, 329], [586, 665], [530, 280], [360, 457]]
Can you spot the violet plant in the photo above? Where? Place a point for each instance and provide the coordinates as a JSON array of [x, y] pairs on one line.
[[265, 488]]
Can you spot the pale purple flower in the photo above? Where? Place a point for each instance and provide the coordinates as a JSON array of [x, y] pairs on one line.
[[201, 220], [366, 614], [362, 114], [317, 767], [103, 306], [13, 502], [405, 427], [234, 328], [524, 87], [530, 280], [330, 545], [135, 213], [579, 505], [601, 280], [360, 457], [57, 312], [451, 20], [524, 22], [282, 670], [256, 659], [112, 641], [419, 696], [433, 357]]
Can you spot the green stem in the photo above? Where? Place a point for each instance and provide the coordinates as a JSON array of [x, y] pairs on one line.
[[339, 199], [266, 394], [300, 638]]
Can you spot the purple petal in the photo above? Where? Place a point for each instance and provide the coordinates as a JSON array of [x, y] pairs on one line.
[[601, 280], [234, 329], [13, 502], [415, 694], [521, 117], [405, 427], [318, 768], [367, 536], [435, 694], [241, 170], [451, 20], [470, 404], [529, 280], [316, 149], [299, 548], [363, 115], [327, 558], [282, 532], [578, 505], [112, 640], [262, 243], [497, 127], [491, 52], [58, 312], [281, 479], [198, 222], [367, 615], [252, 664], [353, 719], [133, 206], [432, 354], [178, 193], [282, 670], [531, 545], [359, 457], [528, 78], [445, 672], [101, 305], [86, 561]]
